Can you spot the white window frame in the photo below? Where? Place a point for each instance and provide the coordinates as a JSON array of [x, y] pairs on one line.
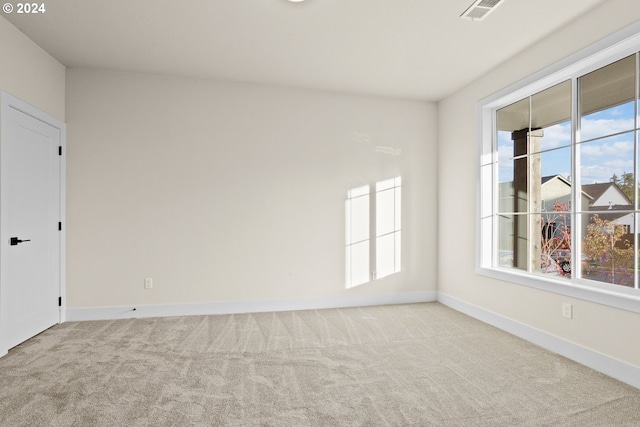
[[615, 47]]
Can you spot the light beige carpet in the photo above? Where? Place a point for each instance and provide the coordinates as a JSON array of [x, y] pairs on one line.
[[405, 365]]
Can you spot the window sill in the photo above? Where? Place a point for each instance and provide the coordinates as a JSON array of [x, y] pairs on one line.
[[605, 294]]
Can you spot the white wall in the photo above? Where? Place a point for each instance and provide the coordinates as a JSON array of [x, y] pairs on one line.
[[600, 328], [228, 192], [30, 73], [236, 192]]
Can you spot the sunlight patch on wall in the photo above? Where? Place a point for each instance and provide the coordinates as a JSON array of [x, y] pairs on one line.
[[385, 217], [388, 214], [357, 236]]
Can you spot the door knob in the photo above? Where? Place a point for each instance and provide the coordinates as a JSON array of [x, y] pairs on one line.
[[14, 241]]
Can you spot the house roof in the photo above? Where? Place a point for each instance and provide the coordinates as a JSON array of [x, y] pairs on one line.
[[598, 189], [546, 179]]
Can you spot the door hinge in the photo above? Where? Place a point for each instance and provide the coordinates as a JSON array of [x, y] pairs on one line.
[[60, 150], [59, 226], [59, 301]]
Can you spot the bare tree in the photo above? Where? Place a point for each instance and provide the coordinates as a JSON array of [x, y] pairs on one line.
[[606, 247], [556, 239]]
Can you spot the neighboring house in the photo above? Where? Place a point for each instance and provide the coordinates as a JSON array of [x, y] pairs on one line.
[[606, 195], [609, 197], [554, 189], [606, 198], [622, 218]]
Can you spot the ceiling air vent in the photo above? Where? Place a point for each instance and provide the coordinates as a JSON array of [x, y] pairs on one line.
[[480, 9]]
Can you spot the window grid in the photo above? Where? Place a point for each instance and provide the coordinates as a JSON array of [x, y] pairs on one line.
[[580, 214]]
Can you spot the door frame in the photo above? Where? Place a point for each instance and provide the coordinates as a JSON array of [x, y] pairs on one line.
[[8, 101]]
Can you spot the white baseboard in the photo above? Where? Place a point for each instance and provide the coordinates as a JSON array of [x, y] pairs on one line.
[[607, 365], [250, 306]]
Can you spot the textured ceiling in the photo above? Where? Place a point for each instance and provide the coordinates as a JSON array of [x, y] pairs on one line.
[[417, 49]]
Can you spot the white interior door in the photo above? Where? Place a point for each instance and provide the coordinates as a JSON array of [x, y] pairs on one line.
[[30, 221]]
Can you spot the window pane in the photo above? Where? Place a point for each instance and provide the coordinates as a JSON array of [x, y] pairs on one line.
[[521, 185], [505, 145], [551, 111], [607, 122], [548, 111], [632, 187], [505, 186], [519, 177], [553, 186], [607, 98], [608, 248], [529, 134], [558, 135], [604, 165], [555, 242], [505, 241], [512, 118], [513, 241]]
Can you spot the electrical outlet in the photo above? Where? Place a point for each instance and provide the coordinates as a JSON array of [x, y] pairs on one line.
[[148, 283], [567, 310]]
